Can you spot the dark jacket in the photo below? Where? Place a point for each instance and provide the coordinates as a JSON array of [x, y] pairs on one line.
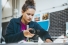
[[13, 33]]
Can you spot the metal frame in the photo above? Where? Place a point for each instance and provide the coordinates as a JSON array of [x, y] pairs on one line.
[[0, 20]]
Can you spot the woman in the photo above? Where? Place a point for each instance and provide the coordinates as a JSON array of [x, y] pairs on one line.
[[17, 28]]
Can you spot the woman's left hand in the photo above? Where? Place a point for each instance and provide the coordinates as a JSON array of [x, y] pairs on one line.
[[48, 41]]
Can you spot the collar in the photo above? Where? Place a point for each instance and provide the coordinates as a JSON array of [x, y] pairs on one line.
[[18, 20]]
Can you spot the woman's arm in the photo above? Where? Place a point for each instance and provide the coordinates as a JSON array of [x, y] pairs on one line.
[[11, 36], [43, 34]]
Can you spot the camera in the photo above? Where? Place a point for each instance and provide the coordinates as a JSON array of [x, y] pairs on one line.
[[35, 37], [33, 31]]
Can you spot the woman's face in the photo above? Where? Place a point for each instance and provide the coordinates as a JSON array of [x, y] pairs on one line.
[[28, 15]]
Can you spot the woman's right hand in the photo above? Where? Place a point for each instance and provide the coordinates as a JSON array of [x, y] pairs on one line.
[[27, 33]]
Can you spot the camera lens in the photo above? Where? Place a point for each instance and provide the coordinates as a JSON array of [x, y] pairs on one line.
[[32, 31]]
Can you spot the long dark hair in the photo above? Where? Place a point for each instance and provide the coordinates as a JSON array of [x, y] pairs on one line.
[[28, 4]]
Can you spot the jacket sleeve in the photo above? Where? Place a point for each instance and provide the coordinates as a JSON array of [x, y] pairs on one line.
[[11, 36], [42, 33]]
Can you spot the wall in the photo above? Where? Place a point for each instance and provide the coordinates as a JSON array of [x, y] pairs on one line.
[[41, 6], [7, 11], [66, 25], [46, 5], [0, 20]]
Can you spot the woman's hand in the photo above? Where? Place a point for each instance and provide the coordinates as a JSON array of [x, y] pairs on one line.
[[48, 41], [27, 33]]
